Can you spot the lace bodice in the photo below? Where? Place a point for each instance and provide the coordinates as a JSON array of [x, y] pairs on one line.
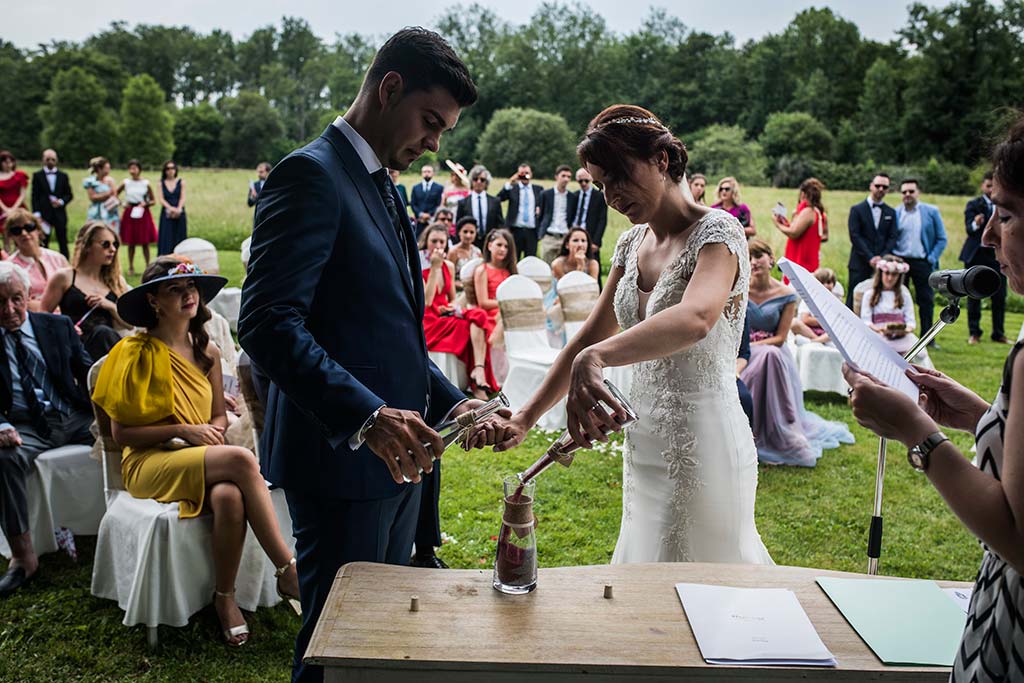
[[713, 359]]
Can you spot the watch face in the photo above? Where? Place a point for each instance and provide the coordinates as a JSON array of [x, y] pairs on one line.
[[916, 459]]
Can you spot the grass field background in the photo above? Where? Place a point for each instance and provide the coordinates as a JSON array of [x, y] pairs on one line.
[[817, 517]]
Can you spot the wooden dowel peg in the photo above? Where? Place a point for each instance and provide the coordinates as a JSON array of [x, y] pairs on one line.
[[607, 592], [414, 604]]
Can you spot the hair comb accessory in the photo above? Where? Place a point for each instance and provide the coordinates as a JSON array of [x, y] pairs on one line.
[[634, 119]]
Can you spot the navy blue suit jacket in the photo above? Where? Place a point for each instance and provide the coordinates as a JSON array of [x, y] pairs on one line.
[[972, 245], [332, 312], [426, 202], [67, 361], [867, 241]]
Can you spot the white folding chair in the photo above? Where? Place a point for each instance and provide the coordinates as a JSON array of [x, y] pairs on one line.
[[228, 303], [468, 286], [201, 252], [451, 367], [578, 293], [159, 568], [64, 489], [526, 345], [537, 270]]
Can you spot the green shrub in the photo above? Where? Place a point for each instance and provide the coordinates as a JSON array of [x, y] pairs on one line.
[[718, 151], [515, 136], [796, 134], [935, 177], [197, 135]]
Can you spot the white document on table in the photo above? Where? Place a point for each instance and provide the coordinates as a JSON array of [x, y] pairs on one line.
[[860, 346], [961, 596], [752, 626]]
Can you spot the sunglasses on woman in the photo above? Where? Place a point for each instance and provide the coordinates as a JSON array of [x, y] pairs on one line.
[[106, 244], [18, 229]]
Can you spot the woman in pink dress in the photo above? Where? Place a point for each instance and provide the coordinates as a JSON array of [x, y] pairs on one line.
[[25, 231], [448, 328], [499, 264]]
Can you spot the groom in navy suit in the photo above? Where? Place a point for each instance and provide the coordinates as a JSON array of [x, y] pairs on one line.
[[334, 319]]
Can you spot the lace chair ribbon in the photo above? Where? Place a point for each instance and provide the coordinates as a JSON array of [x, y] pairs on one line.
[[578, 302], [522, 314]]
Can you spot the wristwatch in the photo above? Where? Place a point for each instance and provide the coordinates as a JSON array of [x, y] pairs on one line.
[[918, 455], [370, 421]]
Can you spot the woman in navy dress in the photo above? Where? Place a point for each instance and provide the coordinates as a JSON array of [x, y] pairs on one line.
[[173, 221]]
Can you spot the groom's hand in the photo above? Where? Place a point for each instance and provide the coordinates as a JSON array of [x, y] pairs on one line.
[[397, 438], [502, 432]]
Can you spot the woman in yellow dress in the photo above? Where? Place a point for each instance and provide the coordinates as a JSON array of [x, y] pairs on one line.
[[158, 389]]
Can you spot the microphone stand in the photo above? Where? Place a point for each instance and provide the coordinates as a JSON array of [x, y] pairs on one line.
[[948, 316]]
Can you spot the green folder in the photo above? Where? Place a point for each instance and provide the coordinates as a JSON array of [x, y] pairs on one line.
[[905, 622]]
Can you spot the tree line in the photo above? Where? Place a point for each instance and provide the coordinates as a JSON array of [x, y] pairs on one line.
[[817, 95]]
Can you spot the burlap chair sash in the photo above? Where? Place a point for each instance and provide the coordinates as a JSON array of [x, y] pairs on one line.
[[522, 314], [469, 289], [544, 283], [577, 302]]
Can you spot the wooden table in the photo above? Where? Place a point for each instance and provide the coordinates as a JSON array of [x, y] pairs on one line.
[[565, 630]]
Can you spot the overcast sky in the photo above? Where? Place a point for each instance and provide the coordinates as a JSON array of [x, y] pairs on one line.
[[27, 24]]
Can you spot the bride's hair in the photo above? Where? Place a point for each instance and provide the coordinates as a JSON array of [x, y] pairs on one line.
[[624, 131]]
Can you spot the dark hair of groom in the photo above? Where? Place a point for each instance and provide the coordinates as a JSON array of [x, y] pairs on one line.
[[424, 60]]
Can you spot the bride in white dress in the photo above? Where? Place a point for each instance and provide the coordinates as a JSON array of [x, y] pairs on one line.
[[678, 290]]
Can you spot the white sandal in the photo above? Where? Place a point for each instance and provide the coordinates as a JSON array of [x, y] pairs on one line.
[[292, 600], [233, 632]]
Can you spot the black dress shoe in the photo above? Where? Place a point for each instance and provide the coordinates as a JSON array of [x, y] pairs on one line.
[[13, 580], [430, 561]]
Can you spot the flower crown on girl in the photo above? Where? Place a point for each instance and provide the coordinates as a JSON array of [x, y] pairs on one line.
[[893, 267]]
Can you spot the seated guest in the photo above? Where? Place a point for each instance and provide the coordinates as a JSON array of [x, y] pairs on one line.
[[44, 404], [499, 264], [698, 186], [24, 229], [161, 390], [805, 326], [465, 250], [728, 193], [447, 328], [575, 255], [87, 292], [888, 309], [742, 360], [457, 188], [986, 495], [446, 217], [784, 432]]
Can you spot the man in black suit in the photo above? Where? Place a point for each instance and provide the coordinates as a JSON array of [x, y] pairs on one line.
[[976, 216], [591, 211], [873, 233], [485, 208], [256, 187], [43, 405], [426, 196], [557, 209], [523, 201], [51, 193]]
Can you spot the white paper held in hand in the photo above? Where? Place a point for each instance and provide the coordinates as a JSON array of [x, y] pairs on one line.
[[860, 346], [752, 626]]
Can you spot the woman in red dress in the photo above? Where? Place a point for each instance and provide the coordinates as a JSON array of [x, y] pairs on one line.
[[809, 227], [12, 189], [447, 328], [499, 264]]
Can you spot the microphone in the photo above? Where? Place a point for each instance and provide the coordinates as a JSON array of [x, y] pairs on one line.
[[976, 282]]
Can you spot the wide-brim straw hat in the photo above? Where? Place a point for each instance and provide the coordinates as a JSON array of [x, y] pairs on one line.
[[458, 169], [134, 308]]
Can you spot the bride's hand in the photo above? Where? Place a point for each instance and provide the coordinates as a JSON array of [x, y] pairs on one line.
[[587, 420], [501, 431]]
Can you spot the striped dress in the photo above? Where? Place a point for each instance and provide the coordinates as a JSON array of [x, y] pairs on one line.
[[992, 647]]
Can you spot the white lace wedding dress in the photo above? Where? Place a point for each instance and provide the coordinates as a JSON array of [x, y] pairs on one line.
[[689, 465]]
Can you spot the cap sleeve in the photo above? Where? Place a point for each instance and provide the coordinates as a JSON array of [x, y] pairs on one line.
[[134, 385], [622, 247]]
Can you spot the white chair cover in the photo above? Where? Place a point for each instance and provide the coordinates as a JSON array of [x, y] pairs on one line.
[[858, 294], [466, 276], [200, 252], [65, 489], [821, 368], [159, 568], [578, 293], [246, 248], [526, 346], [451, 367], [227, 303], [537, 270]]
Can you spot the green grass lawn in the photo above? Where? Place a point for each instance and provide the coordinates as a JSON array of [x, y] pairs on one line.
[[56, 631]]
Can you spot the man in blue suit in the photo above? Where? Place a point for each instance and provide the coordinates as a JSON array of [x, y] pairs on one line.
[[920, 242], [334, 319], [426, 196], [872, 225], [976, 216]]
